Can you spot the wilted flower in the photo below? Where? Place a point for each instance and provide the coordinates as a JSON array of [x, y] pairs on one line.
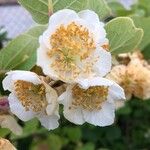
[[6, 119], [74, 46], [91, 101], [6, 145], [32, 97], [134, 78]]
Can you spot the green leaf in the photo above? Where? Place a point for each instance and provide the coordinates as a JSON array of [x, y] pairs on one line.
[[87, 146], [4, 132], [54, 142], [144, 23], [20, 53], [99, 6], [73, 133], [145, 4], [38, 9], [123, 35], [146, 52], [29, 128]]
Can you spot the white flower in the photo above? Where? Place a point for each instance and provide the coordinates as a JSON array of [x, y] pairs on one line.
[[91, 101], [127, 3], [31, 97], [74, 46]]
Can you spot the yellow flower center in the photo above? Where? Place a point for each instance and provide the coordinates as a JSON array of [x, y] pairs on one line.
[[91, 98], [70, 45], [30, 95]]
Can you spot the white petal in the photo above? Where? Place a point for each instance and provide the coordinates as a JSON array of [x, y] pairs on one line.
[[74, 115], [100, 34], [49, 122], [19, 75], [62, 16], [45, 63], [17, 109], [95, 81], [7, 121], [8, 83], [97, 27], [103, 117], [116, 92], [89, 16], [103, 65], [26, 76]]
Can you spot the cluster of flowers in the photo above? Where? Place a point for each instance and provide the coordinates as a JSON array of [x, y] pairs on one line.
[[73, 50], [133, 74]]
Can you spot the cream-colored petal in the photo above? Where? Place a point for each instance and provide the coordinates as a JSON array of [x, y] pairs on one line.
[[7, 121], [52, 99], [119, 104]]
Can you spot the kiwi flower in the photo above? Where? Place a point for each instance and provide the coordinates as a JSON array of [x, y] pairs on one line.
[[32, 97], [74, 46], [91, 101]]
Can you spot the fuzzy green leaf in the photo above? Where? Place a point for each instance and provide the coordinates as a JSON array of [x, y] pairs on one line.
[[40, 9], [20, 53], [123, 35], [37, 8], [144, 23], [99, 6]]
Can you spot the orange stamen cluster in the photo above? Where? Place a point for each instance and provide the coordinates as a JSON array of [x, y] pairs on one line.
[[70, 44], [31, 96], [90, 99]]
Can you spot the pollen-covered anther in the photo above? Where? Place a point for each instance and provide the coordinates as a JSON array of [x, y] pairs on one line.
[[70, 44], [91, 98], [106, 47], [31, 96]]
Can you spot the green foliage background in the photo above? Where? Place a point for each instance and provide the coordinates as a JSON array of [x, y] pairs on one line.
[[131, 130]]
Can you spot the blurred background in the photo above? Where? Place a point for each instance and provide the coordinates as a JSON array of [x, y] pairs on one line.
[[13, 18], [131, 130]]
